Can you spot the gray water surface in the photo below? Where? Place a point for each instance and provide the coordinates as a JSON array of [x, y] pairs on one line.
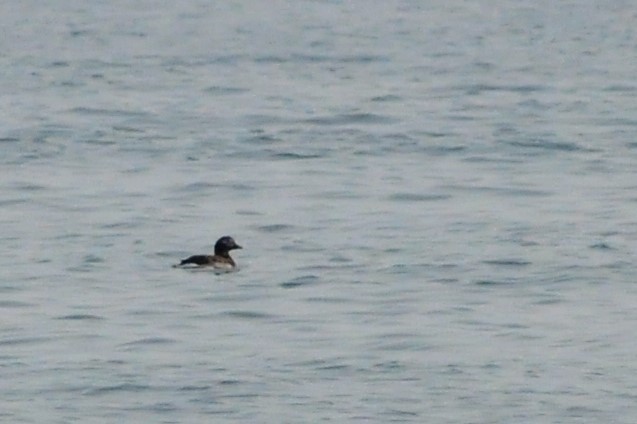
[[436, 202]]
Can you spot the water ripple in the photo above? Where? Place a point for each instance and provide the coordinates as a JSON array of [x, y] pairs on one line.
[[23, 341], [476, 89], [14, 304], [351, 118], [149, 341], [508, 262], [275, 228], [602, 246], [81, 317], [297, 156], [227, 90], [248, 315], [124, 387], [417, 197], [300, 281], [543, 144], [108, 112]]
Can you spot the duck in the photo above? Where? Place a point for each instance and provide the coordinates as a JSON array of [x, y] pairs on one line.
[[220, 260]]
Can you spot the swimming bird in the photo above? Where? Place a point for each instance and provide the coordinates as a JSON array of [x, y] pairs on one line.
[[220, 260]]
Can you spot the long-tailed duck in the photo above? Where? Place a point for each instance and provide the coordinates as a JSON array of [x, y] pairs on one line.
[[220, 260]]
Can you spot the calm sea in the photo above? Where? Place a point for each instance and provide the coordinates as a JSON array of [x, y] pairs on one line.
[[437, 203]]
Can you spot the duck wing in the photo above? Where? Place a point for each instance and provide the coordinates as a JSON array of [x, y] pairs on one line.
[[196, 260]]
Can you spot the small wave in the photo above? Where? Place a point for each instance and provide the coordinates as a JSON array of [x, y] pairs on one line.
[[92, 259], [621, 88], [80, 317], [261, 139], [271, 59], [194, 388], [160, 407], [194, 61], [149, 341], [474, 89], [264, 119], [333, 367], [503, 191], [338, 194], [363, 58], [416, 197], [248, 315], [198, 186], [100, 142], [127, 129], [14, 304], [119, 225], [325, 299], [300, 281], [29, 187], [386, 98], [317, 58], [552, 301], [542, 144], [11, 202], [230, 382], [444, 150], [601, 246], [248, 212], [486, 282], [274, 228], [107, 112], [292, 155], [219, 91], [350, 118], [389, 366], [23, 340], [124, 387], [507, 262], [399, 413]]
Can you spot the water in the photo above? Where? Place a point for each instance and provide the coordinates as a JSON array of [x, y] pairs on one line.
[[436, 203]]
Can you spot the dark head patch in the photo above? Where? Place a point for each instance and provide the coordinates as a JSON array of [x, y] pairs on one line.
[[225, 244]]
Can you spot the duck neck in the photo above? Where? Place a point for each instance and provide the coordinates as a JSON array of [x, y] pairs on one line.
[[222, 253]]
